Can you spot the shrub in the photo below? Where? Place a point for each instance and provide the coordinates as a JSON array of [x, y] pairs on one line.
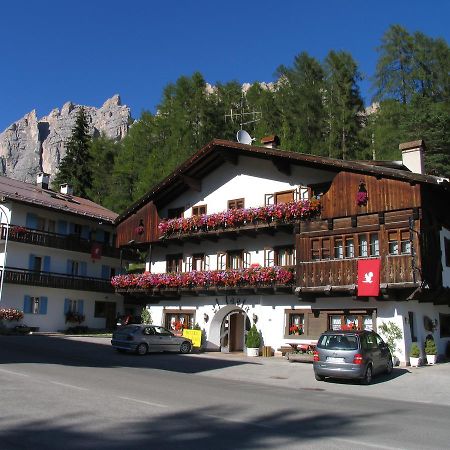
[[392, 333], [253, 338], [430, 347], [146, 316], [414, 351]]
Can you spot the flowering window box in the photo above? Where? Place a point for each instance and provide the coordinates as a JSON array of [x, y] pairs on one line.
[[235, 218]]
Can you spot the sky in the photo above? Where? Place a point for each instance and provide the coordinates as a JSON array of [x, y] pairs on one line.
[[86, 51]]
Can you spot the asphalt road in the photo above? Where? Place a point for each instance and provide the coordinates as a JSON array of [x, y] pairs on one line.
[[69, 394]]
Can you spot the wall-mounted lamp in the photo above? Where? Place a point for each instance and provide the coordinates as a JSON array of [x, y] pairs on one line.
[[255, 318], [205, 318]]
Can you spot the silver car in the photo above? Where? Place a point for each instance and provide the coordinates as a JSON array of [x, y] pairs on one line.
[[351, 354], [141, 338]]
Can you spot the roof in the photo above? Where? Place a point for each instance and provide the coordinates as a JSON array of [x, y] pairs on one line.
[[219, 151], [19, 191]]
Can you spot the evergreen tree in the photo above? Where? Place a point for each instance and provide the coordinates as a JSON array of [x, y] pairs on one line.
[[75, 168]]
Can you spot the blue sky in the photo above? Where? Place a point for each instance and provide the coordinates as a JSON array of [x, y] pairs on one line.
[[86, 51]]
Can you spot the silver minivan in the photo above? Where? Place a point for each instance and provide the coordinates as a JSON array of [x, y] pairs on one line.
[[141, 338], [351, 354]]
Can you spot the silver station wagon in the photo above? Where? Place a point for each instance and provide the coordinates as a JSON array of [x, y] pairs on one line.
[[351, 354], [141, 338]]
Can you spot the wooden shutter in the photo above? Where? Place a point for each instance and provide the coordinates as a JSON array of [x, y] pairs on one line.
[[43, 305], [284, 197], [246, 260], [46, 263], [31, 221], [206, 262], [269, 257], [315, 326], [221, 261], [188, 264]]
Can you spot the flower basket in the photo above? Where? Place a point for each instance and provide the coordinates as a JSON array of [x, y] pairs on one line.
[[10, 314], [73, 317]]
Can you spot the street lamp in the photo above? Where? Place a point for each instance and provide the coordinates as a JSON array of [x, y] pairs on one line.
[[4, 212]]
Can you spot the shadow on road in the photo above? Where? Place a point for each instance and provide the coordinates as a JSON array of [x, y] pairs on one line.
[[55, 350]]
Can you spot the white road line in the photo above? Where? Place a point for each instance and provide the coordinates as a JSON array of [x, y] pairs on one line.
[[245, 422], [14, 373], [144, 402], [366, 444], [69, 385]]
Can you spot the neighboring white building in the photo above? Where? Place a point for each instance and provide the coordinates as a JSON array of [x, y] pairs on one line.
[[367, 213], [57, 256]]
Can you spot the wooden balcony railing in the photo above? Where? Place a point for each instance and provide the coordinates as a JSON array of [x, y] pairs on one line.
[[71, 242], [56, 280], [341, 274]]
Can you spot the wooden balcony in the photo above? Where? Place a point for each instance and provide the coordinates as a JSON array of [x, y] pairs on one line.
[[71, 242], [338, 276], [56, 280]]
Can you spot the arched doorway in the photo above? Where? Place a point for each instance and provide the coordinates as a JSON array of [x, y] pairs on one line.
[[228, 329]]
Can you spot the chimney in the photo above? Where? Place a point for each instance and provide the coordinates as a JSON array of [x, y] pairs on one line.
[[272, 141], [412, 155], [66, 188], [43, 180]]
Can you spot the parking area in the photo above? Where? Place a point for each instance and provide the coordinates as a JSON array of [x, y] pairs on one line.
[[426, 384]]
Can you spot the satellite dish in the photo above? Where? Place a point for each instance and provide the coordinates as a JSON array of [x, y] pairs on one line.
[[244, 138]]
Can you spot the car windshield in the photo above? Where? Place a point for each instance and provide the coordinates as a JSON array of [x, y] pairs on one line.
[[338, 342]]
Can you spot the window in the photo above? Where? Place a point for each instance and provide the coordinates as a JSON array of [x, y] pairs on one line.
[[284, 197], [35, 305], [338, 249], [198, 262], [351, 321], [399, 242], [447, 251], [175, 213], [285, 256], [344, 247], [238, 259], [100, 309], [77, 229], [40, 223], [176, 320], [412, 326], [236, 203], [35, 301], [51, 226], [295, 324], [269, 257], [174, 263], [369, 244], [221, 261], [320, 249], [444, 325], [37, 264], [198, 210]]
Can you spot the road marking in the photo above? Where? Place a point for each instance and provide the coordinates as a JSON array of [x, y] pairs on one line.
[[14, 373], [144, 402], [366, 444], [245, 422], [69, 385]]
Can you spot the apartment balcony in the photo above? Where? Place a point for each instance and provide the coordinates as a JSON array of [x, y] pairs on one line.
[[251, 222], [72, 242], [257, 280], [339, 276], [56, 280]]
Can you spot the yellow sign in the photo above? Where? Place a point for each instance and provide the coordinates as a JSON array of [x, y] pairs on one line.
[[195, 336]]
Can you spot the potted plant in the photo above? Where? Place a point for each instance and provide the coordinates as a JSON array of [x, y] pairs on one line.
[[253, 342], [430, 351], [414, 355]]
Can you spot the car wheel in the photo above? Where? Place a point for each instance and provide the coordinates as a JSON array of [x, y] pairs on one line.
[[319, 377], [368, 376], [142, 349], [389, 366], [185, 347]]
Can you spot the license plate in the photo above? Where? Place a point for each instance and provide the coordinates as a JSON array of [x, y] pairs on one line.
[[335, 360]]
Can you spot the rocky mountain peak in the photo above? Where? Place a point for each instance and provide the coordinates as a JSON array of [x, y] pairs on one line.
[[33, 145]]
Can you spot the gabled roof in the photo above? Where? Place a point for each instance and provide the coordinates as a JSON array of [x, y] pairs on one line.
[[220, 151], [33, 195]]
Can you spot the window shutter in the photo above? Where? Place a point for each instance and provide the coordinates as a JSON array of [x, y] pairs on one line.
[[31, 262], [31, 220], [221, 261], [269, 256], [69, 267], [269, 199], [83, 268], [80, 306], [85, 230], [66, 305], [206, 262], [105, 272], [27, 304], [46, 263], [188, 264], [43, 305], [62, 227], [246, 260]]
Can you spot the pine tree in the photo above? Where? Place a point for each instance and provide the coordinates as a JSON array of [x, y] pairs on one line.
[[75, 168]]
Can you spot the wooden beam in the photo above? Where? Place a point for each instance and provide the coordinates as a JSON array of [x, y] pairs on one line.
[[282, 165], [194, 183]]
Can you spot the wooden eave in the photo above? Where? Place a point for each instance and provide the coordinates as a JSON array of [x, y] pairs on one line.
[[219, 151]]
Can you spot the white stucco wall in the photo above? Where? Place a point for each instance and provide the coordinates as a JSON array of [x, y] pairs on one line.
[[444, 234]]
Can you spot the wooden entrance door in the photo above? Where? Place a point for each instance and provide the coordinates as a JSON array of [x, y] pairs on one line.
[[233, 332], [110, 314]]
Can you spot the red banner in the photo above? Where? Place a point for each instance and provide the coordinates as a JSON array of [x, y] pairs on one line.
[[368, 277], [96, 250]]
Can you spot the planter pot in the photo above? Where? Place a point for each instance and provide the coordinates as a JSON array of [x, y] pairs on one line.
[[431, 359], [252, 351], [414, 361]]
